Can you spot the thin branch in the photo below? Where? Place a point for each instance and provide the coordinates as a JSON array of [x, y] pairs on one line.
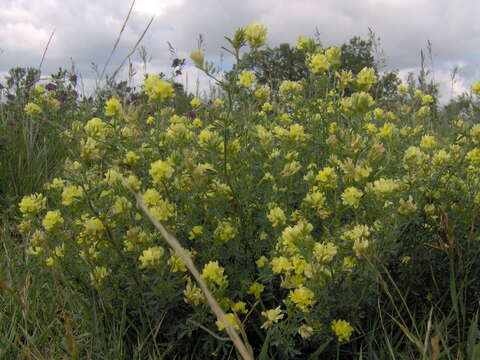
[[116, 44], [45, 51], [134, 48]]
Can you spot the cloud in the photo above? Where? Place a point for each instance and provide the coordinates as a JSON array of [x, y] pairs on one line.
[[86, 31]]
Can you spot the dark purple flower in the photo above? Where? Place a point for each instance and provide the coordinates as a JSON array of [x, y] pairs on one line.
[[51, 87], [191, 114]]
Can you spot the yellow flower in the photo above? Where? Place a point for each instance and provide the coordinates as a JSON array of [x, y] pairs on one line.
[[319, 63], [32, 204], [225, 231], [428, 142], [246, 79], [71, 194], [198, 57], [305, 331], [193, 294], [407, 206], [240, 307], [277, 217], [475, 133], [327, 177], [130, 158], [334, 55], [113, 107], [99, 275], [151, 257], [351, 196], [95, 127], [158, 89], [160, 170], [342, 329], [302, 297], [196, 230], [196, 102], [213, 272], [476, 88], [256, 289], [288, 87], [324, 252], [52, 219], [384, 186], [231, 320], [261, 262], [32, 109], [256, 35], [366, 78], [273, 316]]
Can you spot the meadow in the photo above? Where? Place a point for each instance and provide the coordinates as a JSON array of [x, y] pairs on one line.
[[310, 207]]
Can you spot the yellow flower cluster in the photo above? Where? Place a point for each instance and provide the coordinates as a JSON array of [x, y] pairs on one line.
[[342, 329], [256, 35], [158, 89], [246, 79], [32, 204], [151, 257]]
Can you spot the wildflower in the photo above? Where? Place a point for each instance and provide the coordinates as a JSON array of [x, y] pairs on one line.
[[52, 219], [256, 34], [240, 307], [324, 252], [158, 89], [473, 156], [198, 57], [256, 289], [475, 133], [196, 230], [366, 78], [327, 177], [280, 264], [71, 194], [213, 272], [231, 320], [95, 127], [246, 79], [407, 206], [94, 226], [113, 107], [225, 231], [476, 88], [32, 204], [384, 186], [261, 262], [351, 196], [319, 63], [428, 142], [302, 297], [32, 109], [277, 217], [334, 55], [99, 275], [427, 99], [387, 130], [342, 329], [196, 102], [291, 168], [151, 257], [160, 171], [193, 294], [130, 158], [305, 44], [273, 316], [288, 87], [305, 331]]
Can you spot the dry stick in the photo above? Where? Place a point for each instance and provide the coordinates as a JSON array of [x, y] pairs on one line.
[[45, 51], [175, 245], [134, 48], [116, 44]]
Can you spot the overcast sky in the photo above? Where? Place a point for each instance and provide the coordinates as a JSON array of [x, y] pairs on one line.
[[85, 31]]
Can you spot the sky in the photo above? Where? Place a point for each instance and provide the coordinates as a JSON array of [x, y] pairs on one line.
[[84, 33]]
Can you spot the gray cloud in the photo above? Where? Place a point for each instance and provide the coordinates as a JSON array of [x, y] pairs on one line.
[[85, 31]]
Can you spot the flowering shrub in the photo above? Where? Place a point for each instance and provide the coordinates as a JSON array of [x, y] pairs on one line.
[[292, 202]]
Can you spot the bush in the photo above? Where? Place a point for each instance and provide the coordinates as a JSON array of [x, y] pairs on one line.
[[304, 208]]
